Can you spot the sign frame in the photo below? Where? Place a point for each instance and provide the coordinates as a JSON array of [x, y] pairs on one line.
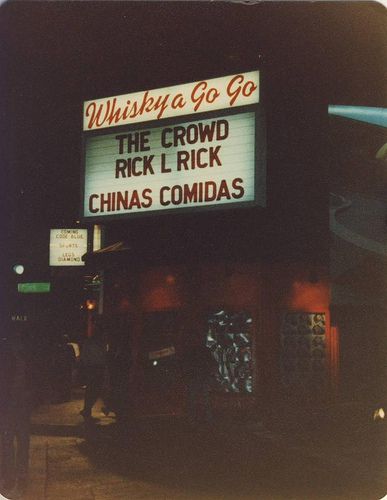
[[260, 195], [81, 249]]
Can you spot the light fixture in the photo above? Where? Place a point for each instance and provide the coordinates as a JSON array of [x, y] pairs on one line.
[[170, 279], [90, 304], [379, 414], [18, 269]]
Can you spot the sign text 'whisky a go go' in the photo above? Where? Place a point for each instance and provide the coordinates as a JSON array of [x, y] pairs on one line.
[[195, 146]]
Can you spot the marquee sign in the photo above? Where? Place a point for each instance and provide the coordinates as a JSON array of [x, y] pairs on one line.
[[204, 160], [190, 98]]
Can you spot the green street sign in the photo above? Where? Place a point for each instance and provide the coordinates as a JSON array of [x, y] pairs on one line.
[[33, 287]]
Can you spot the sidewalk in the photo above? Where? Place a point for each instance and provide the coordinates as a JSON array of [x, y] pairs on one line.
[[238, 459], [64, 459], [344, 434]]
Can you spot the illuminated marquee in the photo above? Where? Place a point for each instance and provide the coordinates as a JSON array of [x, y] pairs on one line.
[[190, 98], [203, 160]]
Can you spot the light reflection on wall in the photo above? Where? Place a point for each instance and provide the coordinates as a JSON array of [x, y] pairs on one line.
[[307, 296], [160, 290]]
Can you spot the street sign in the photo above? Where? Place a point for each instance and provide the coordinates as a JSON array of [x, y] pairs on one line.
[[33, 287]]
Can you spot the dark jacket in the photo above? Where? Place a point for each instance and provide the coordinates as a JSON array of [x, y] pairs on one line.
[[93, 353], [198, 363]]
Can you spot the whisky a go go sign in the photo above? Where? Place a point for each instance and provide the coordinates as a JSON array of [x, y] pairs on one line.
[[195, 146]]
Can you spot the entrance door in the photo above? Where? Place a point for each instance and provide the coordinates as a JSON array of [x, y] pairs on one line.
[[163, 388]]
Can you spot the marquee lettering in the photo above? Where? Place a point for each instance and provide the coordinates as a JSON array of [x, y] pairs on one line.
[[134, 167], [195, 132], [205, 95], [238, 86], [202, 158]]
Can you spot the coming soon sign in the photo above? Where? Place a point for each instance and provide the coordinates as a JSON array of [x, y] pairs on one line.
[[204, 160], [67, 247]]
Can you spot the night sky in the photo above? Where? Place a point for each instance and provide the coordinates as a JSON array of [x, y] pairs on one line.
[[55, 55]]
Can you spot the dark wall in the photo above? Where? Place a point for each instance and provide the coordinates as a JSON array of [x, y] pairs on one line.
[[55, 55]]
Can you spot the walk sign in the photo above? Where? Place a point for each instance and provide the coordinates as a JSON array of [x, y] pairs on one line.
[[33, 287]]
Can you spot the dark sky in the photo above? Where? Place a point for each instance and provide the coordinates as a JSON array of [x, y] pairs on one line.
[[54, 55]]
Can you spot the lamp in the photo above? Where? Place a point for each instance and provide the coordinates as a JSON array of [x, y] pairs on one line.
[[18, 269]]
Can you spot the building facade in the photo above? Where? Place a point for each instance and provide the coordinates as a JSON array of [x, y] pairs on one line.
[[253, 278]]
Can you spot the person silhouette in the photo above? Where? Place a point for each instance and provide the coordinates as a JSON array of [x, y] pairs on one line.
[[93, 366], [18, 386]]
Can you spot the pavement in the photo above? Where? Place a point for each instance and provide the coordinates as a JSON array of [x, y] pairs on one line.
[[336, 454]]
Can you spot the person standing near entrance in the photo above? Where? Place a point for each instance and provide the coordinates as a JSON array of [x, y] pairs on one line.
[[63, 362], [199, 368], [18, 384], [93, 366], [119, 364]]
